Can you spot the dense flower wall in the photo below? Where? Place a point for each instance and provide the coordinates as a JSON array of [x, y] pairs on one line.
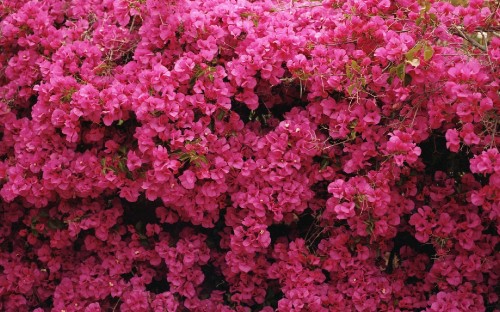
[[214, 155]]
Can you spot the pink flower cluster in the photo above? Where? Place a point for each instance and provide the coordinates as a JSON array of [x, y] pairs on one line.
[[249, 155]]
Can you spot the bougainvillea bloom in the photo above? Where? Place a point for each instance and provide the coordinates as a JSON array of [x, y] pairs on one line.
[[242, 156]]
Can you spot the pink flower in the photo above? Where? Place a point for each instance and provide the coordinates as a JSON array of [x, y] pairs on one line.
[[344, 210], [452, 140], [188, 179], [208, 48], [468, 135], [486, 162]]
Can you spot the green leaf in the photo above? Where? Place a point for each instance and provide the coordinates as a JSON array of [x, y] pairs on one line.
[[252, 115], [355, 65], [221, 115], [120, 122], [352, 68], [434, 19], [400, 71], [414, 62], [352, 135], [122, 167], [123, 150], [324, 163], [203, 159], [427, 6], [350, 89], [184, 157], [428, 52], [410, 55]]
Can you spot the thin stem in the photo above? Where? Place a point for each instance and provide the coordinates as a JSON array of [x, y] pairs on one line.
[[471, 40]]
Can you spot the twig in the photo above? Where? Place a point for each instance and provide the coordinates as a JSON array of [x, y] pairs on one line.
[[471, 40], [116, 304]]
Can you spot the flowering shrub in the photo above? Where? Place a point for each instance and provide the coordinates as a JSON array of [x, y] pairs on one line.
[[249, 156]]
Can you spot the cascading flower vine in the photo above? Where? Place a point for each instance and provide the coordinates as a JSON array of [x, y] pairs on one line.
[[249, 155]]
